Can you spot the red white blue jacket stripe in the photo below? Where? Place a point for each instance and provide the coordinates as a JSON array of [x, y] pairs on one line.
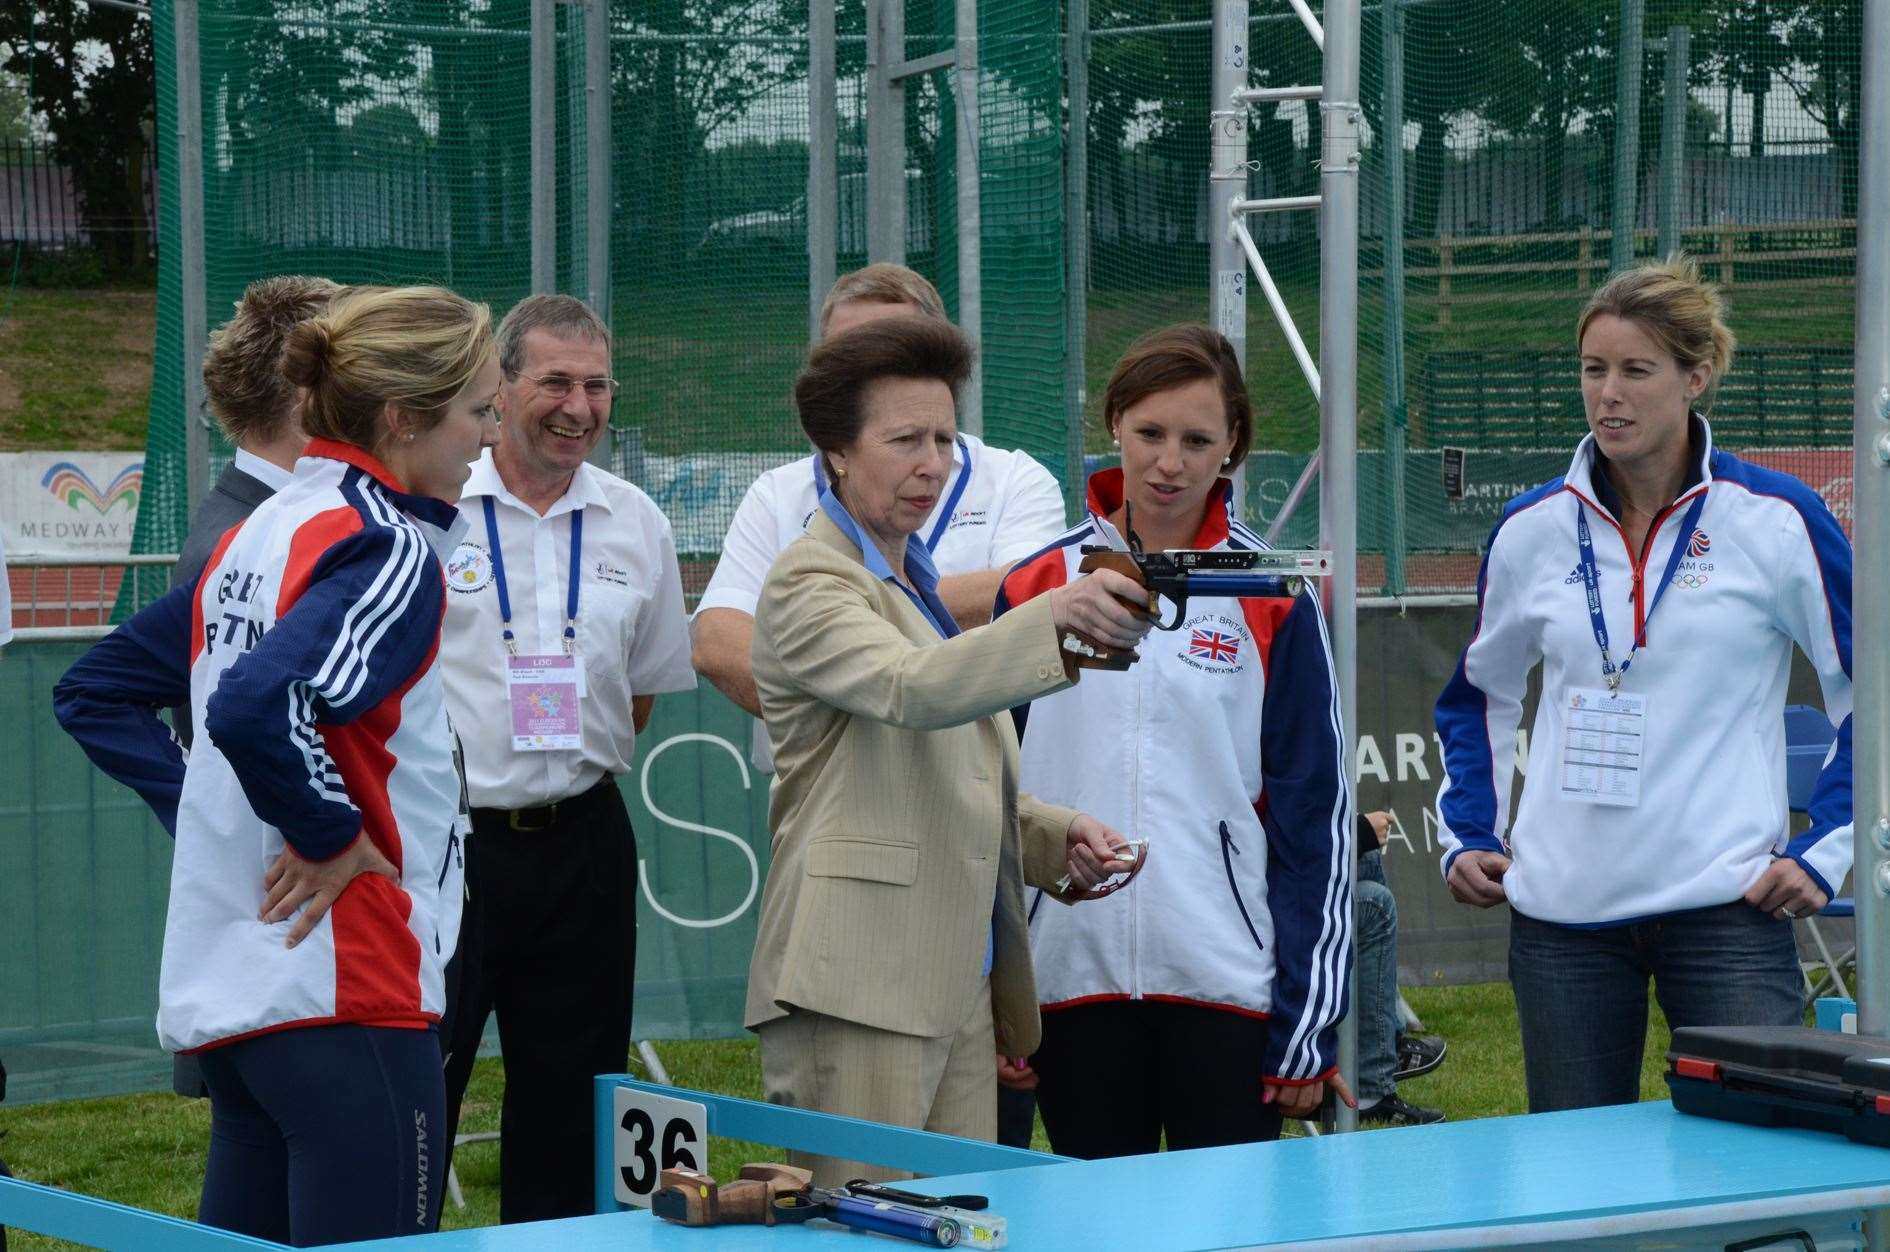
[[1222, 747], [308, 650], [1767, 567]]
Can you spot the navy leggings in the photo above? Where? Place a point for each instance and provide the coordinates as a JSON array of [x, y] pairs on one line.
[[326, 1134]]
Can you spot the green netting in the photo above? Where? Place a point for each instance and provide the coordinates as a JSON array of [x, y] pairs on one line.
[[1512, 130], [389, 140], [383, 141], [1508, 151]]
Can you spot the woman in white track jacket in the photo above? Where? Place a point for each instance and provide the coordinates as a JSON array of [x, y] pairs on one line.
[[1661, 583], [1216, 978]]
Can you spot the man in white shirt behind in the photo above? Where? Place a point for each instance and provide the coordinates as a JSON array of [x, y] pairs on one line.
[[997, 507], [564, 621]]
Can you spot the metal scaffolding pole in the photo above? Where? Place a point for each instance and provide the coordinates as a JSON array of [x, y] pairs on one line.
[[1335, 380], [544, 152], [597, 157], [1673, 140], [885, 131], [597, 213], [1338, 396], [1391, 145], [190, 252], [1227, 266], [970, 246], [1870, 724], [1627, 134], [1076, 252], [823, 161], [1870, 594]]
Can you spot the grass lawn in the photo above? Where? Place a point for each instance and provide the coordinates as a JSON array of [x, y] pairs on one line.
[[75, 369], [148, 1150]]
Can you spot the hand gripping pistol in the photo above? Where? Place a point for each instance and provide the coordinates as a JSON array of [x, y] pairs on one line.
[[1179, 573]]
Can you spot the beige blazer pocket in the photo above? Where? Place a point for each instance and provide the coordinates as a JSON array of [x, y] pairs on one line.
[[895, 863]]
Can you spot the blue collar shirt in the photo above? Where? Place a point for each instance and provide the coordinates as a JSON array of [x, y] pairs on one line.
[[924, 577], [920, 570]]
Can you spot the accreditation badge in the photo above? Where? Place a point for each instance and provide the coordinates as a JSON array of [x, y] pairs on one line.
[[470, 569], [1604, 736], [545, 693]]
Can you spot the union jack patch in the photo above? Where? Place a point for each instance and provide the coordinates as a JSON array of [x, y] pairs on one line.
[[1699, 545], [1212, 645]]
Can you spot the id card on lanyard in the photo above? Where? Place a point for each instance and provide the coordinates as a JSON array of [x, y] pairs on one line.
[[544, 691], [1604, 729]]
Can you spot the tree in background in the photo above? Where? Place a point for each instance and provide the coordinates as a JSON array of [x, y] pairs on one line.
[[1826, 41], [16, 114], [684, 73], [88, 72], [1746, 41], [1448, 48]]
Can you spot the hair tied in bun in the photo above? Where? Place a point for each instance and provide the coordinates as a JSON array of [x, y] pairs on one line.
[[305, 355]]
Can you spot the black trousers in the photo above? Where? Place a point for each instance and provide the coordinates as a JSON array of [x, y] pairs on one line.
[[548, 942], [1017, 1117], [1114, 1077]]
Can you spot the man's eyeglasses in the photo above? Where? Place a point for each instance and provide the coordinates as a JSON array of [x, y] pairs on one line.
[[557, 386]]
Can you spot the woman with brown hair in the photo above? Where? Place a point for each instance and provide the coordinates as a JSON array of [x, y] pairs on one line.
[[315, 886], [1218, 976], [891, 952]]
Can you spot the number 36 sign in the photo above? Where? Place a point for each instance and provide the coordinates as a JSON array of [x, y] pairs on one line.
[[655, 1133]]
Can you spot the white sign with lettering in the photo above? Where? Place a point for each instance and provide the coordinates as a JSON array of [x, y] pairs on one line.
[[71, 504]]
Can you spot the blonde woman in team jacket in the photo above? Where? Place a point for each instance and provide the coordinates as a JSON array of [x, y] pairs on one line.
[[315, 888], [1665, 583]]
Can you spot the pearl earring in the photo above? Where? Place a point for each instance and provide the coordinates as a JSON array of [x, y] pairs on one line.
[[409, 436], [1226, 461]]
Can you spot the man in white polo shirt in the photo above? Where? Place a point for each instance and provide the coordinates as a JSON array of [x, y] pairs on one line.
[[997, 508], [564, 621]]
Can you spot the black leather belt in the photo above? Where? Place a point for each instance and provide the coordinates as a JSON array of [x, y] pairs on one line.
[[544, 816]]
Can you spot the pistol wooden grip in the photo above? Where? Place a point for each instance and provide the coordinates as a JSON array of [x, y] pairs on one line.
[[687, 1198], [773, 1180], [783, 1177], [1123, 564], [747, 1202], [694, 1199], [1087, 652]]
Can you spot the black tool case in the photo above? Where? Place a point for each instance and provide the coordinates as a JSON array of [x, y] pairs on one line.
[[1784, 1076]]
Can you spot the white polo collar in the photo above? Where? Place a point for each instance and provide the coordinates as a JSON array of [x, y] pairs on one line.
[[586, 489], [268, 473]]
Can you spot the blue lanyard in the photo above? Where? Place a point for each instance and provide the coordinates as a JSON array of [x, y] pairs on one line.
[[505, 599], [951, 502], [1591, 581]]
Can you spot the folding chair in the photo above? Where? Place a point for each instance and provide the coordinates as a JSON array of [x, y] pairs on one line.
[[1808, 736]]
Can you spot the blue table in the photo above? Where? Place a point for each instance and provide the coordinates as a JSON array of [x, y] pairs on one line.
[[1575, 1177], [1592, 1179]]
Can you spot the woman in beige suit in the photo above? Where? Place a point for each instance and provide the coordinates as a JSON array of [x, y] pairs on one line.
[[893, 956]]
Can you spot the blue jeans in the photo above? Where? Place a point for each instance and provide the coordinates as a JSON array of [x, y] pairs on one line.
[[1581, 995], [1377, 980]]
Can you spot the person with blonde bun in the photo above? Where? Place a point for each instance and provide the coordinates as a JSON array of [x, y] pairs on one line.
[[315, 887], [258, 411], [1661, 584]]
